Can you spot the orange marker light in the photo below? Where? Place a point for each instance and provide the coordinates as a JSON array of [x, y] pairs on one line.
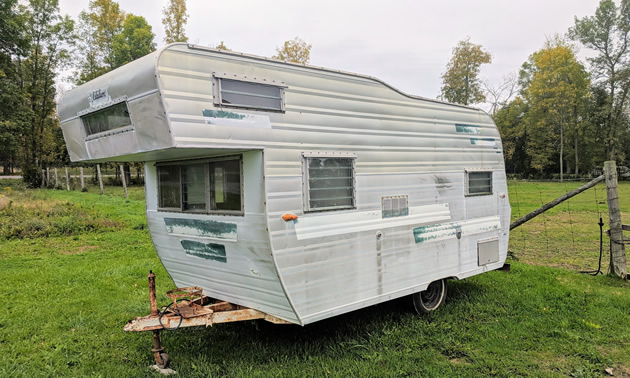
[[287, 217]]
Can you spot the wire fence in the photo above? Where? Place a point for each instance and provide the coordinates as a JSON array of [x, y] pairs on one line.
[[568, 235], [86, 177]]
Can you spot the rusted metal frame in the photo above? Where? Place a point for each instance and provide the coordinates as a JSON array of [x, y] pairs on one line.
[[152, 322], [157, 346]]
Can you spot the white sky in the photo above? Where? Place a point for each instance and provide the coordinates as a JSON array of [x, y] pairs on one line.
[[406, 43]]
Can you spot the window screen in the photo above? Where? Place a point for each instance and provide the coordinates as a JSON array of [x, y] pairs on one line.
[[110, 118], [250, 95], [208, 187], [330, 183], [479, 183], [226, 185], [194, 187], [168, 181]]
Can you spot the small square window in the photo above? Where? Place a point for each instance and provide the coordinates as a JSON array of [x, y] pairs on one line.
[[329, 183], [252, 95], [478, 183]]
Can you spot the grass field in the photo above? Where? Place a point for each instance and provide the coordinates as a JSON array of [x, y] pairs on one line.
[[74, 269]]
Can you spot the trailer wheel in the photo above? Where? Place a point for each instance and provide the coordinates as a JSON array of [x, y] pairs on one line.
[[430, 299]]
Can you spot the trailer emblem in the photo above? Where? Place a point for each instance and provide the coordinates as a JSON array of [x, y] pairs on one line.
[[98, 97]]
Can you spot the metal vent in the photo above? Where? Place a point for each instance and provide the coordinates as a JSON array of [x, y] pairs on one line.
[[395, 206], [487, 251]]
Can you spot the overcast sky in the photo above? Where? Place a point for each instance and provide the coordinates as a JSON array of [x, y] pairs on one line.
[[406, 43]]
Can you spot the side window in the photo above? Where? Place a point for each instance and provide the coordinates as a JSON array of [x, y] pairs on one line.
[[110, 118], [251, 95], [478, 183], [329, 182], [212, 186]]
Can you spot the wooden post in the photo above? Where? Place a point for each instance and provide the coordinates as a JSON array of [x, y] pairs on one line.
[[67, 179], [617, 248], [56, 179], [82, 179], [43, 178], [122, 177], [47, 176], [100, 177]]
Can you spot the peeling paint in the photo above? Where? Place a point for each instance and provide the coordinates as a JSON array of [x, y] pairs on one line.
[[222, 114], [428, 233], [233, 119], [468, 129], [208, 251], [197, 227], [483, 142]]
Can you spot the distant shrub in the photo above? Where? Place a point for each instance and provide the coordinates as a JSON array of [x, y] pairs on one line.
[[38, 219]]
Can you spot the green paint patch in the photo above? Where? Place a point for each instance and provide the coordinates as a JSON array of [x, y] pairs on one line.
[[222, 114], [431, 232], [482, 141], [467, 129], [208, 251], [197, 227]]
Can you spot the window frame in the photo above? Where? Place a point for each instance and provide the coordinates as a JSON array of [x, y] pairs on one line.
[[218, 93], [467, 172], [121, 129], [208, 186], [306, 186]]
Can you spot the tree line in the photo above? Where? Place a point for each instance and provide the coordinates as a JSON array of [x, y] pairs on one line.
[[37, 44], [559, 115]]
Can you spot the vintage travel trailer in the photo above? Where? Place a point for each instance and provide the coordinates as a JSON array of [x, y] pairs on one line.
[[297, 191]]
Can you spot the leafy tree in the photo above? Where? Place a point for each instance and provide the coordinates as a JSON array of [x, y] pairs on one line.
[[608, 34], [460, 82], [51, 38], [294, 50], [133, 42], [108, 21], [174, 21], [222, 46], [14, 114], [509, 120], [556, 88], [89, 56]]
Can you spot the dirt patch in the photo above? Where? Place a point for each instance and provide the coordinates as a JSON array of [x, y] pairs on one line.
[[77, 250], [459, 361], [5, 202]]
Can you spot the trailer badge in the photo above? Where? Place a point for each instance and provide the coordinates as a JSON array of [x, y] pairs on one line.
[[98, 97]]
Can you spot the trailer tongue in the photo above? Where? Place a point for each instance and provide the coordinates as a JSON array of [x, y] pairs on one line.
[[189, 308]]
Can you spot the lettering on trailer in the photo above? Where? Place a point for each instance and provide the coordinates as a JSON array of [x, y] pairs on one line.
[[98, 97]]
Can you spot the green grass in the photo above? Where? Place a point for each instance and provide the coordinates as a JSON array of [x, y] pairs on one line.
[[67, 296]]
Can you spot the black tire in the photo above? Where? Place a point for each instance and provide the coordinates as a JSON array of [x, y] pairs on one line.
[[431, 299]]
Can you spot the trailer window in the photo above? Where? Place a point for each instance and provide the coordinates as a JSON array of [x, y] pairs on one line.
[[329, 183], [113, 117], [245, 94], [203, 187], [479, 183]]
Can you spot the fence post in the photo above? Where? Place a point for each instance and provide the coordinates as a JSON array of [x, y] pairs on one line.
[[100, 177], [82, 180], [56, 179], [47, 176], [124, 182], [617, 248], [43, 178], [67, 179]]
